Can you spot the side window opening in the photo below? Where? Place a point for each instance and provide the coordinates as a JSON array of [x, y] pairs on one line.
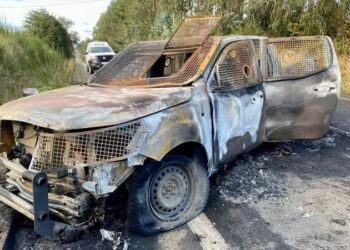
[[296, 57], [237, 67]]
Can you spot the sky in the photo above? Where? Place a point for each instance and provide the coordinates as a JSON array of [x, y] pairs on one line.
[[84, 13]]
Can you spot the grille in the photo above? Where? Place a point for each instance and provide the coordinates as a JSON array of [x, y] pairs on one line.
[[193, 31], [237, 66], [104, 58], [86, 148], [297, 57]]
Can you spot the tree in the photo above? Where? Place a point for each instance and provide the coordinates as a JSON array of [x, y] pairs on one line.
[[127, 21], [47, 27]]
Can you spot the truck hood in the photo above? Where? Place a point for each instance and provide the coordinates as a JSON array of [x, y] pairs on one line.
[[81, 107]]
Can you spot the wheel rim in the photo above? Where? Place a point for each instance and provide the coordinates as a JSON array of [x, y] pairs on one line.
[[169, 192]]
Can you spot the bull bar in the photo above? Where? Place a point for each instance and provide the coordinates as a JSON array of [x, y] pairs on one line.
[[39, 210]]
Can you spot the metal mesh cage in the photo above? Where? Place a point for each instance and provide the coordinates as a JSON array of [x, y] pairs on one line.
[[193, 31], [297, 56], [237, 67], [86, 148], [192, 69], [131, 63], [130, 66]]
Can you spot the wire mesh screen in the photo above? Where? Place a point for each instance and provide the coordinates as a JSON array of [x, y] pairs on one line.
[[193, 31], [130, 67], [237, 66], [131, 63], [192, 69], [86, 148], [297, 57]]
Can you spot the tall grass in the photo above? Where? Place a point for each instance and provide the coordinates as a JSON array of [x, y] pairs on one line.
[[344, 64], [25, 61]]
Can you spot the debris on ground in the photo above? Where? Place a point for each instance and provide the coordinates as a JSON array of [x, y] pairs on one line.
[[250, 180], [114, 238]]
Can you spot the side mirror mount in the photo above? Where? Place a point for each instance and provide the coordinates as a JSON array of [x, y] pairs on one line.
[[30, 91]]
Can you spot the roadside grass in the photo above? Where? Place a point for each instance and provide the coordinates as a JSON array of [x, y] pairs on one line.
[[344, 64], [25, 61]]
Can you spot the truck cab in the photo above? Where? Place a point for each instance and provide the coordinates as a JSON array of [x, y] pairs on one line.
[[157, 121]]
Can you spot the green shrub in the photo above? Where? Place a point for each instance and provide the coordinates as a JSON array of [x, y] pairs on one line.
[[50, 30], [26, 61]]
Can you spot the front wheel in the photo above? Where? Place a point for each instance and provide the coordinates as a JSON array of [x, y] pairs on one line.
[[167, 194]]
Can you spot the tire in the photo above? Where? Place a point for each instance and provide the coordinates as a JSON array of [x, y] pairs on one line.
[[167, 194]]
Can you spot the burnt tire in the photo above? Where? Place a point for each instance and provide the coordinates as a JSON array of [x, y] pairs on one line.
[[167, 194]]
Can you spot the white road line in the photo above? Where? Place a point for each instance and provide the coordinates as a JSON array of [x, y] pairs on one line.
[[210, 238], [344, 99]]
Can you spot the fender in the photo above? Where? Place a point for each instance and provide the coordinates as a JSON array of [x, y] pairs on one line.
[[167, 130]]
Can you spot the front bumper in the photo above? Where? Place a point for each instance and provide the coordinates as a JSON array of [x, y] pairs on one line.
[[39, 210], [97, 65], [36, 203]]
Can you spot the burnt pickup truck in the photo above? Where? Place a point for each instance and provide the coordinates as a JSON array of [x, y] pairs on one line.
[[157, 122]]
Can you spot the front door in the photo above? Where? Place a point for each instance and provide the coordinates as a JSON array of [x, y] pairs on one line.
[[302, 82], [237, 97]]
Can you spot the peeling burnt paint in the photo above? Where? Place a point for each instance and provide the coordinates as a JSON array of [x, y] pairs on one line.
[[238, 121], [302, 108], [186, 123], [81, 107]]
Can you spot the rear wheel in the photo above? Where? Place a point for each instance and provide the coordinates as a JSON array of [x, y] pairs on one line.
[[164, 195]]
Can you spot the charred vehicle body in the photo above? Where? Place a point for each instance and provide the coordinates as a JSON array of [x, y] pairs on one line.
[[159, 119]]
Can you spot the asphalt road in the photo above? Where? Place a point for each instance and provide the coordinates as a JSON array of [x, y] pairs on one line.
[[292, 195]]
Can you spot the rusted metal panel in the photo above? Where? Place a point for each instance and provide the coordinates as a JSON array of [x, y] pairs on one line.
[[190, 71], [129, 68], [81, 107], [131, 63], [189, 122], [193, 31]]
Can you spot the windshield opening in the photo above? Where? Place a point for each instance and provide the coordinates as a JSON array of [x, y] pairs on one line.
[[100, 49], [168, 65], [149, 64]]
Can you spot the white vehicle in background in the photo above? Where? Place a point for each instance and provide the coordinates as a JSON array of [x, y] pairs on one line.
[[97, 55]]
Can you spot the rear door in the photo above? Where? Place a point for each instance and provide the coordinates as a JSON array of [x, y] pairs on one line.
[[302, 82]]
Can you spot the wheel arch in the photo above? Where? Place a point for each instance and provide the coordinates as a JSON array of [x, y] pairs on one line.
[[192, 149]]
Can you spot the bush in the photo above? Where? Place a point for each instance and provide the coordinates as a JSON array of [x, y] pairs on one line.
[[344, 64], [26, 61], [50, 30]]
